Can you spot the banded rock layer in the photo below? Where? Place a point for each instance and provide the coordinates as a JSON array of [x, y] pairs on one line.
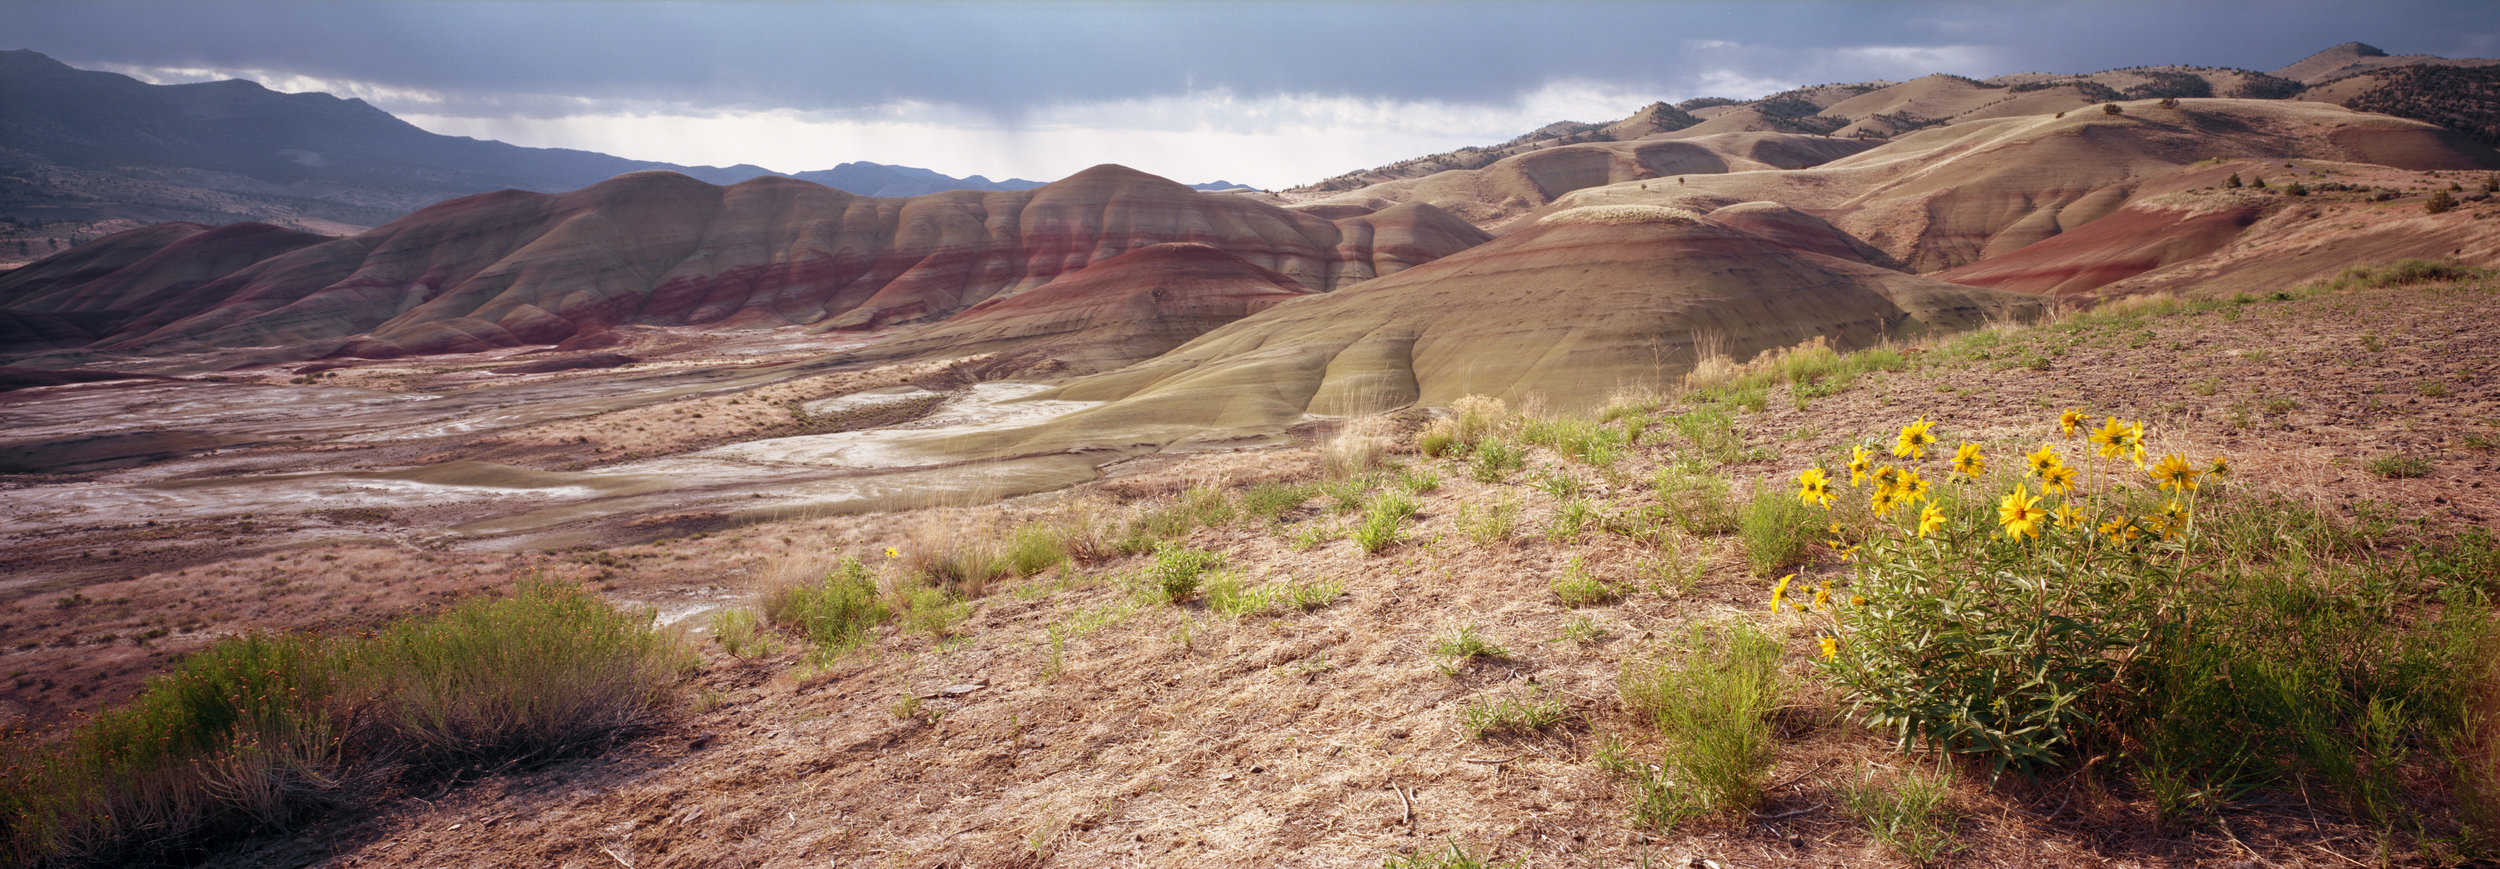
[[513, 268]]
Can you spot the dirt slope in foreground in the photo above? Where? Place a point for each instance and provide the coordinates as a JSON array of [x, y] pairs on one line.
[[1169, 736]]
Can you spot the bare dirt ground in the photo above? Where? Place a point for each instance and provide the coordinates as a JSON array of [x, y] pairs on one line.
[[1063, 723]]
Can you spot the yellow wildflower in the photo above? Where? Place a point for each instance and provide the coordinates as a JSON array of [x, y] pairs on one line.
[[1860, 459], [2060, 480], [1910, 489], [2121, 529], [1814, 489], [2044, 461], [2070, 422], [1831, 647], [2069, 517], [1914, 440], [2174, 473], [1967, 461], [2020, 513], [2119, 439], [1930, 520], [891, 552], [1883, 501], [1823, 594], [2173, 519], [1857, 600], [2221, 468], [1779, 593]]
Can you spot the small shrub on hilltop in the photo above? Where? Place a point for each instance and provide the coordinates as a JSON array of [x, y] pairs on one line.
[[1472, 420], [741, 634], [833, 612], [1495, 460], [1178, 570], [1511, 714], [1384, 521]]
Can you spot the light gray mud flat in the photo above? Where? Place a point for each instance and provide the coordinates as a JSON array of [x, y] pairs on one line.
[[282, 462]]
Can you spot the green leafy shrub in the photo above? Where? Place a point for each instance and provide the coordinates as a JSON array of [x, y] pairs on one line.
[[1178, 570], [2217, 644], [1494, 460], [834, 612], [1230, 594], [1778, 530], [1711, 698], [2399, 466], [1384, 521]]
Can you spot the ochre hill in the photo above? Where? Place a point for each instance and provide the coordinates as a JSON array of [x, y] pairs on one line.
[[1950, 196], [513, 268], [1582, 303], [1515, 185]]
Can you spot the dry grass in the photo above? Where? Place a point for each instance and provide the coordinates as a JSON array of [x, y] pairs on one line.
[[1357, 446], [1105, 732]]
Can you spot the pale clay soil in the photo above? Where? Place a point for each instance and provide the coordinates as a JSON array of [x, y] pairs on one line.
[[1179, 736]]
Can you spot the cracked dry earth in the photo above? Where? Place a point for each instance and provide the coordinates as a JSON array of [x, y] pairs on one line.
[[1063, 723]]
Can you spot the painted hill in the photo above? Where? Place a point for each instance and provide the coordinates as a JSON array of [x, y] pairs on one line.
[[1514, 185], [1119, 311], [2457, 93], [1954, 195], [1582, 303], [511, 268]]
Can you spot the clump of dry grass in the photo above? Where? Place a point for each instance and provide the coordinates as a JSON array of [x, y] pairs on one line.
[[1357, 446], [1471, 421], [1712, 366], [250, 732]]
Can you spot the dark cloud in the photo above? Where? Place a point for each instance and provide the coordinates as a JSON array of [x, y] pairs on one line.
[[1004, 56]]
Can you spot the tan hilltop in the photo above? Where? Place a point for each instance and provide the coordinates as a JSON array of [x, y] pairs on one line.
[[1959, 194]]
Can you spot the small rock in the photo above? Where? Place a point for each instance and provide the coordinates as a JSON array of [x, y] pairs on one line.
[[701, 740]]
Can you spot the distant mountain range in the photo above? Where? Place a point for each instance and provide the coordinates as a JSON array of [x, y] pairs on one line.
[[85, 154]]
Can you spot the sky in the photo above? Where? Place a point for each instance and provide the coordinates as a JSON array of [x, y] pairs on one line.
[[1270, 94]]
